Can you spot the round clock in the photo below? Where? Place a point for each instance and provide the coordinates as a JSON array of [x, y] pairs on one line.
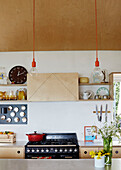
[[18, 75]]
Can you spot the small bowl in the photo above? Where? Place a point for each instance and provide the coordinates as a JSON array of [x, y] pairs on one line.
[[83, 79]]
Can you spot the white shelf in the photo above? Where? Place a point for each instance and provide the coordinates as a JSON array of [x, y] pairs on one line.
[[94, 84], [96, 100], [12, 85], [13, 101]]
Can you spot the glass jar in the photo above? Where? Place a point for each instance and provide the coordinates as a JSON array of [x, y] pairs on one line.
[[3, 78], [107, 144], [21, 94], [97, 75]]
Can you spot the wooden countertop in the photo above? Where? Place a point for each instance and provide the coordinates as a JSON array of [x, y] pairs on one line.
[[16, 144], [81, 144], [96, 144], [65, 164]]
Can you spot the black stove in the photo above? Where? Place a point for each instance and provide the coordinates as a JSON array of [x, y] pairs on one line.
[[54, 146]]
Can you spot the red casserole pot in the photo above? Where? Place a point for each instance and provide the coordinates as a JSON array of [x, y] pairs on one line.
[[35, 137]]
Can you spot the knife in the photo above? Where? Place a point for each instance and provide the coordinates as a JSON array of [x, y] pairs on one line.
[[101, 113], [97, 113], [106, 110]]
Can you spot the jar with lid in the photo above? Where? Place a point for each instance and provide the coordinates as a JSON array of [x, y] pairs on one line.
[[21, 94], [3, 77]]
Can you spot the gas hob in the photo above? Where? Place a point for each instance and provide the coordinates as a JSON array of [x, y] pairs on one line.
[[54, 146]]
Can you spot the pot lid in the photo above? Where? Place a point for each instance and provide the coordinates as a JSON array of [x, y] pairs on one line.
[[35, 133]]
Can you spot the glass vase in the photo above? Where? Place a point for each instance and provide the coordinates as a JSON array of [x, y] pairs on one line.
[[107, 144]]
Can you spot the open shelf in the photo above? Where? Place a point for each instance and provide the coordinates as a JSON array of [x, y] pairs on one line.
[[13, 101], [93, 84], [96, 100], [9, 85]]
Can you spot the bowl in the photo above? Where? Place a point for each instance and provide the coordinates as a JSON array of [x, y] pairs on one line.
[[83, 79]]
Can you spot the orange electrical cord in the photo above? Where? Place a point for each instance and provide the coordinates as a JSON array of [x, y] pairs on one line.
[[33, 62], [97, 62]]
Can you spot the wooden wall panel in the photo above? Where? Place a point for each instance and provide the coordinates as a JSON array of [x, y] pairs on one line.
[[110, 24], [60, 25], [15, 25], [65, 25]]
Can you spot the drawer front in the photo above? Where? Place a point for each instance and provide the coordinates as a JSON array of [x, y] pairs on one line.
[[116, 152], [84, 152], [12, 153]]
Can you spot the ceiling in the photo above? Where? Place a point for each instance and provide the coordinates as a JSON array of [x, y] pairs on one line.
[[60, 25]]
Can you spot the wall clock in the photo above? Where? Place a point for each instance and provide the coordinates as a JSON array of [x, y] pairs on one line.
[[18, 75]]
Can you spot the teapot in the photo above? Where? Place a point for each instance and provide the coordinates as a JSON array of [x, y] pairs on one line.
[[86, 95]]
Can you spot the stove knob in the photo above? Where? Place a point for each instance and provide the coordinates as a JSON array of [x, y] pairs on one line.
[[65, 150], [75, 150], [33, 150], [56, 150], [37, 150], [61, 150], [70, 150], [47, 150], [42, 150], [28, 150]]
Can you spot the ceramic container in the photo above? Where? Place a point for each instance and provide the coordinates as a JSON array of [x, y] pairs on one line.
[[99, 163], [84, 80]]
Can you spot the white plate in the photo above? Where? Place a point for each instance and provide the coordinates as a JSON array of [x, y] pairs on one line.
[[102, 91]]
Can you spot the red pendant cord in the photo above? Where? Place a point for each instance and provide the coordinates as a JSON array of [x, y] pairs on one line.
[[97, 62], [33, 63]]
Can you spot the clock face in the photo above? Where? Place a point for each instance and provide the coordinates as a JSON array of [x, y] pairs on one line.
[[18, 75]]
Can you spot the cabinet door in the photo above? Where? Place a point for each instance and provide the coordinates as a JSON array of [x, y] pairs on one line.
[[52, 87], [85, 151], [12, 153], [116, 152]]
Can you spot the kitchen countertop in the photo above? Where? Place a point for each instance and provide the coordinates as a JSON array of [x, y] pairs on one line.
[[96, 144], [15, 144], [81, 143], [83, 164]]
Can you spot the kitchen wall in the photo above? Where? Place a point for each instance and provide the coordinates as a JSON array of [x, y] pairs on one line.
[[61, 116]]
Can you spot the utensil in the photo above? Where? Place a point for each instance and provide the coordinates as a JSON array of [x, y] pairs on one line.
[[35, 137], [101, 113], [97, 113], [106, 110]]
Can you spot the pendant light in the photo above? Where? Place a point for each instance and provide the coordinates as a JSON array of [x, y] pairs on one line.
[[97, 73], [97, 61], [33, 69]]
